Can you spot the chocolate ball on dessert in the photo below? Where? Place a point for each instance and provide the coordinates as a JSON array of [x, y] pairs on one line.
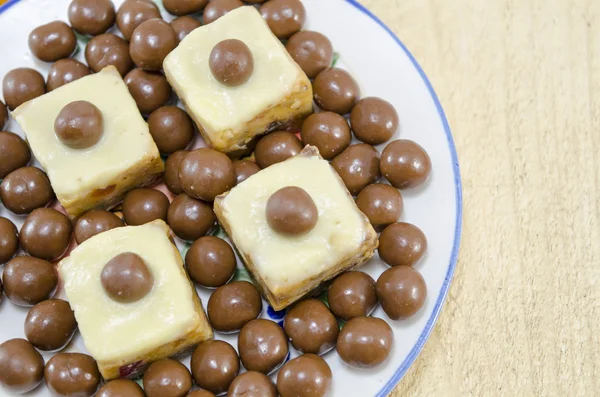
[[358, 166], [335, 90], [200, 393], [167, 378], [215, 9], [132, 13], [121, 388], [252, 384], [231, 306], [327, 131], [405, 164], [205, 173], [95, 222], [311, 327], [72, 374], [108, 49], [182, 26], [79, 125], [149, 90], [189, 218], [215, 364], [402, 244], [284, 17], [374, 120], [14, 153], [50, 324], [244, 169], [46, 234], [231, 62], [91, 17], [307, 375], [382, 204], [184, 7], [276, 147], [3, 115], [29, 281], [52, 41], [21, 366], [262, 345], [210, 262], [126, 278], [171, 175], [144, 205], [312, 51], [9, 240], [150, 44], [65, 71], [171, 128], [352, 294], [365, 342], [291, 211], [21, 85], [26, 189], [401, 291]]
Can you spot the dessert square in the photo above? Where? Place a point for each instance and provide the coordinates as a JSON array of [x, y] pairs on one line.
[[289, 267], [278, 93], [96, 177], [125, 337]]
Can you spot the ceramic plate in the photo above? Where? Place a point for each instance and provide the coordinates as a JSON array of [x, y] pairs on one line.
[[383, 67]]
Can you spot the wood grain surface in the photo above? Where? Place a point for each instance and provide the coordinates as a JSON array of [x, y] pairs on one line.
[[520, 83]]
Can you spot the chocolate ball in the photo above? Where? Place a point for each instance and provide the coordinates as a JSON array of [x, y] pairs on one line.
[[215, 364], [291, 211], [312, 51], [205, 173], [21, 85], [108, 49], [150, 44], [365, 342], [52, 41], [262, 345], [189, 218], [50, 324], [184, 7], [167, 378], [126, 278], [402, 244], [9, 240], [21, 366], [91, 16], [144, 205], [244, 169], [210, 262], [352, 294], [121, 388], [401, 291], [182, 26], [171, 175], [276, 147], [26, 189], [65, 71], [327, 131], [79, 125], [95, 222], [358, 166], [311, 327], [335, 90], [3, 115], [149, 90], [284, 17], [252, 384], [46, 234], [231, 306], [215, 9], [200, 393], [374, 120], [132, 13], [171, 128], [405, 164], [29, 281], [231, 62], [382, 204], [308, 376], [14, 153], [72, 374]]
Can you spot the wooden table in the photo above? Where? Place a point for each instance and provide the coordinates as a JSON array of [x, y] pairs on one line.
[[520, 83]]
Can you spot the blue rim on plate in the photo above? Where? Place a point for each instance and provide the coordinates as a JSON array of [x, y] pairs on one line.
[[414, 352]]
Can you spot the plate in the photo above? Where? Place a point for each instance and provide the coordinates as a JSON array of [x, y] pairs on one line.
[[383, 67]]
